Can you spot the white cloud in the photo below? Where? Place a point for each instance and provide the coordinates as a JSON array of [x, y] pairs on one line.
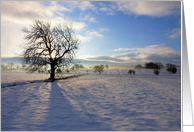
[[150, 8], [89, 36], [18, 14], [26, 11], [79, 25], [176, 32], [153, 53], [92, 19], [124, 49], [109, 8], [84, 38], [94, 34], [109, 11], [82, 5], [103, 29], [84, 16]]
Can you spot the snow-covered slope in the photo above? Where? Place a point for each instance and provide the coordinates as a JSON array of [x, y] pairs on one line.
[[111, 101]]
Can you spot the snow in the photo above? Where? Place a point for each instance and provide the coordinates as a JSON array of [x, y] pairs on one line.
[[112, 101], [20, 77]]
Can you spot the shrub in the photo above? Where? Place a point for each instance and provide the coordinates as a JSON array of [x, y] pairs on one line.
[[99, 68], [67, 70], [106, 66], [40, 71], [72, 68], [156, 72], [152, 65], [81, 66], [173, 70], [139, 66], [130, 71], [59, 71], [133, 71]]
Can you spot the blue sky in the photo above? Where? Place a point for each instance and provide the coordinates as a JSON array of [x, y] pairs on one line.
[[121, 32]]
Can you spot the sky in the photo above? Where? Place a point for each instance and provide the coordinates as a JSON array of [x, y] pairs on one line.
[[111, 32]]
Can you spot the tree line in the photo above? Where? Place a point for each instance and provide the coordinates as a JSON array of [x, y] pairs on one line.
[[171, 68], [11, 65]]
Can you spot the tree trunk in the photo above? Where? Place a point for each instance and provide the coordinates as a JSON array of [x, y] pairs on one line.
[[52, 74]]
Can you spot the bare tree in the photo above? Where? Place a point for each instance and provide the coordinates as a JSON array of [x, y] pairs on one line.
[[106, 66], [49, 45], [99, 68], [3, 67], [139, 66]]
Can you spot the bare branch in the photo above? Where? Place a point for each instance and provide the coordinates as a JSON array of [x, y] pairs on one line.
[[44, 45]]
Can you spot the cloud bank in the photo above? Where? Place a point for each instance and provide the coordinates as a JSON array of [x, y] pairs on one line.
[[152, 53], [176, 32], [18, 14], [150, 8]]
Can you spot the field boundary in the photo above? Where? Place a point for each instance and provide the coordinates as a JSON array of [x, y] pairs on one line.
[[42, 81]]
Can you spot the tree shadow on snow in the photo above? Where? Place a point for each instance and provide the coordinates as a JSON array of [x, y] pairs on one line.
[[62, 115]]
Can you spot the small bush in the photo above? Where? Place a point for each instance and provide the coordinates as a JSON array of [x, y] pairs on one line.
[[139, 66], [99, 68], [156, 72], [173, 70], [130, 71], [133, 71], [169, 70], [67, 70], [59, 71], [40, 71]]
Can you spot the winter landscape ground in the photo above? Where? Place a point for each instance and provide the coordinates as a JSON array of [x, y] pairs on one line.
[[112, 101]]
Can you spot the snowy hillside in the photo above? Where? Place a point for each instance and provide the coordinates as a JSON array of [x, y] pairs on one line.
[[112, 101]]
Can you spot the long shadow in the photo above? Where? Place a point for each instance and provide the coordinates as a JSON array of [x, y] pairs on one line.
[[20, 108], [62, 115]]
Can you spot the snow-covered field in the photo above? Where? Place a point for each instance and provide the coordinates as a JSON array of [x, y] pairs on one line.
[[111, 101]]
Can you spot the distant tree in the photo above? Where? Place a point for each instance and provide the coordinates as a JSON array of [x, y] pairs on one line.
[[174, 70], [152, 65], [18, 67], [67, 70], [171, 68], [76, 66], [40, 71], [3, 67], [106, 66], [99, 68], [156, 71], [81, 66], [23, 66], [130, 71], [160, 65], [91, 67], [72, 68], [133, 71], [139, 66], [49, 45], [58, 71], [10, 65]]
